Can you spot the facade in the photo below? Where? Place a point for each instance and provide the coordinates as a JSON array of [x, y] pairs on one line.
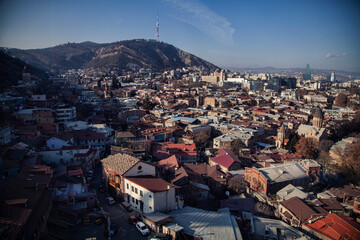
[[307, 75], [223, 140], [295, 212], [116, 167], [184, 152], [70, 156], [149, 194], [65, 113], [269, 180]]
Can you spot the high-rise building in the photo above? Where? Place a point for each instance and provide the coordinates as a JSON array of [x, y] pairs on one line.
[[332, 77], [307, 75]]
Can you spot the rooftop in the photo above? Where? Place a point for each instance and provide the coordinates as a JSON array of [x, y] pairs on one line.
[[151, 184], [120, 163], [284, 172], [207, 225]]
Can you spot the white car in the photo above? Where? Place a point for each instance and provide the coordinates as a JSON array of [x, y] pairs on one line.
[[110, 200], [142, 228]]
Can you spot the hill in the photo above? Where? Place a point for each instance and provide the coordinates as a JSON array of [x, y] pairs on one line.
[[11, 70], [145, 53]]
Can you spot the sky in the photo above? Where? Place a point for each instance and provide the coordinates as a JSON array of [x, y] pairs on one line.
[[239, 33]]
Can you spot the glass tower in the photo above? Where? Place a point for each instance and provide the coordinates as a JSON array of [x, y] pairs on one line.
[[307, 73]]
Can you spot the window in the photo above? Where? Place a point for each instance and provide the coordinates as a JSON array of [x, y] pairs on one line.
[[132, 188], [141, 193], [127, 186], [150, 196], [254, 180], [137, 202], [139, 167], [132, 199], [136, 190]]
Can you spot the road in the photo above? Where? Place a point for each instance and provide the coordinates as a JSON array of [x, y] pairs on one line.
[[117, 213]]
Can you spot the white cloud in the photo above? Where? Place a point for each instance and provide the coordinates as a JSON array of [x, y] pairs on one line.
[[330, 55], [203, 18]]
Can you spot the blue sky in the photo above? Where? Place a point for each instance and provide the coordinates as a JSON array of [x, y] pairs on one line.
[[251, 33]]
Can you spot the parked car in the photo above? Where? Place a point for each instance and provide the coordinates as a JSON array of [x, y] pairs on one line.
[[142, 228], [110, 201], [114, 228], [133, 220]]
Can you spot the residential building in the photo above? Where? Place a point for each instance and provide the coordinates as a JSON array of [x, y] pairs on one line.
[[25, 203], [226, 160], [149, 194], [295, 212], [116, 167], [65, 113], [333, 226], [70, 156], [196, 223], [269, 180]]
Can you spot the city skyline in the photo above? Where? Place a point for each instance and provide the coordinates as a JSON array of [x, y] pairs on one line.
[[282, 34]]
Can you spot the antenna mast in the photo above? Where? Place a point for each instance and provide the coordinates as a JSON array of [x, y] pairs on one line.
[[157, 37]]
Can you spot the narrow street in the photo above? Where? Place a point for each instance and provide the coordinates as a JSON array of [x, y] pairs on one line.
[[117, 213]]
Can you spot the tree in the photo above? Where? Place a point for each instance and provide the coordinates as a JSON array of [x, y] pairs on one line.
[[324, 159], [238, 184], [147, 104], [341, 100], [293, 139], [201, 139], [235, 145], [306, 147], [264, 209], [350, 162], [115, 84], [325, 145]]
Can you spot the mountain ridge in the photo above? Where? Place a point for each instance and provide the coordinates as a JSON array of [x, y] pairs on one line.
[[145, 53]]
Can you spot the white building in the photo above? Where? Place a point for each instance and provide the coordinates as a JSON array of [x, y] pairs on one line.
[[70, 156], [58, 143], [65, 113], [150, 194]]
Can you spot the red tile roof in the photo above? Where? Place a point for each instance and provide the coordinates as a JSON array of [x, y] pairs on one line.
[[151, 184], [181, 149], [225, 158], [168, 163], [335, 226]]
